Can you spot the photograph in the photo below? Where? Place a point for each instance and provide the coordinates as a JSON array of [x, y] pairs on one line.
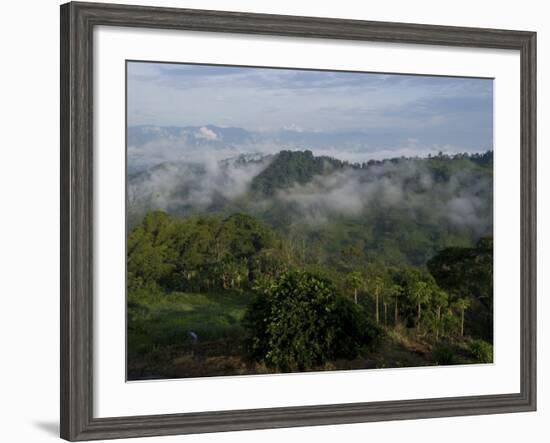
[[279, 221], [290, 220]]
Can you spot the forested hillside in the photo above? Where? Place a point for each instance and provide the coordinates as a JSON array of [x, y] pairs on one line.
[[293, 262], [397, 210]]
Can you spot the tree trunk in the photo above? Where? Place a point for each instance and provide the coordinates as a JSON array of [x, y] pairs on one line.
[[462, 325], [418, 318], [395, 314], [438, 322], [289, 251], [385, 314], [355, 295], [377, 313]]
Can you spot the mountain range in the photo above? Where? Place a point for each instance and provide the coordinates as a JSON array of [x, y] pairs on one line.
[[149, 145]]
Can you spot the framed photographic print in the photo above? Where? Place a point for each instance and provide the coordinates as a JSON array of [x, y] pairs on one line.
[[272, 221]]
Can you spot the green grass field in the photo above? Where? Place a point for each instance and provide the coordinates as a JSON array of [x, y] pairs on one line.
[[159, 334]]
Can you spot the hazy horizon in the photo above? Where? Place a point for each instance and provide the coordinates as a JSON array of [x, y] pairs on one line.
[[352, 116]]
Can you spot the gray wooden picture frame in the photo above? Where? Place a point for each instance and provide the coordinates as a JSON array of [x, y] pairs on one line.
[[77, 23]]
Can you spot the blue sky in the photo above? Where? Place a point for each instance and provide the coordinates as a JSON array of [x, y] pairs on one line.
[[455, 114]]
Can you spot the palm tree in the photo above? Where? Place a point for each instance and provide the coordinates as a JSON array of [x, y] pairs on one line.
[[440, 300], [462, 304], [356, 281], [385, 301], [377, 285], [395, 291], [420, 295]]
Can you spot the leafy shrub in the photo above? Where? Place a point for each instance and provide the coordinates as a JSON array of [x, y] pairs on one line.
[[443, 355], [482, 351], [299, 322]]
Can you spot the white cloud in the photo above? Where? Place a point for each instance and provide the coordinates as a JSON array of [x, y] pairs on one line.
[[207, 134]]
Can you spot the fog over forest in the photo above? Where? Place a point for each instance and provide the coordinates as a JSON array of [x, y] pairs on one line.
[[214, 172]]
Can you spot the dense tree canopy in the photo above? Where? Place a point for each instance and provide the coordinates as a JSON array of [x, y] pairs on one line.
[[291, 167], [467, 273], [201, 253]]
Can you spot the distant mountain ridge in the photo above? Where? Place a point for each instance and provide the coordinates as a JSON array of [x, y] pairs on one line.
[[140, 135], [215, 135], [149, 145]]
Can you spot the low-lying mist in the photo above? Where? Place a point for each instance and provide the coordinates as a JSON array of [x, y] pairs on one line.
[[464, 199], [177, 186], [416, 187]]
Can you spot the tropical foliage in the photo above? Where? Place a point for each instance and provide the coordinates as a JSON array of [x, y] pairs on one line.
[[243, 287]]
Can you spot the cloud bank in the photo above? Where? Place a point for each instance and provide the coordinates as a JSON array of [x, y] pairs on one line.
[[409, 186]]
